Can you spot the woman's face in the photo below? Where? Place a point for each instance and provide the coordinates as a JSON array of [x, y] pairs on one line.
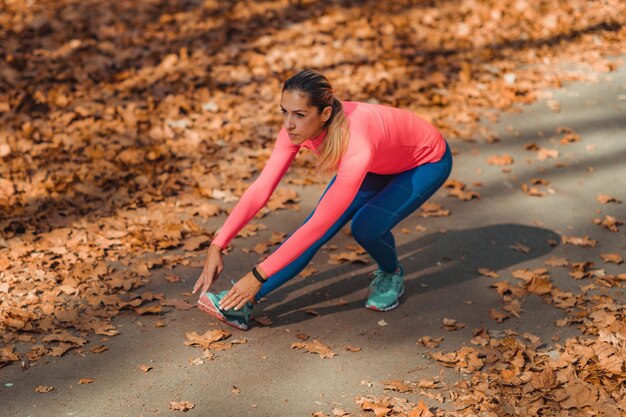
[[301, 120]]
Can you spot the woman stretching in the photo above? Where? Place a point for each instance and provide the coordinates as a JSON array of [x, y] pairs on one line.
[[388, 162]]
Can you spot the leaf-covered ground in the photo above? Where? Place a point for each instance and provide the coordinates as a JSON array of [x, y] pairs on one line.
[[126, 127]]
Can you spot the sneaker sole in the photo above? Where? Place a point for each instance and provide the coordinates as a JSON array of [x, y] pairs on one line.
[[214, 312], [391, 307]]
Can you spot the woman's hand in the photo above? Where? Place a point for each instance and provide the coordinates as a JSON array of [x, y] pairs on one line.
[[213, 266], [243, 291]]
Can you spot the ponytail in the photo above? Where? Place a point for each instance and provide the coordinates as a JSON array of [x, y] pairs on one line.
[[336, 141]]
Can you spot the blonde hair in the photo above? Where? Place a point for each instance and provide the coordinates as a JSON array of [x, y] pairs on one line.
[[320, 95]]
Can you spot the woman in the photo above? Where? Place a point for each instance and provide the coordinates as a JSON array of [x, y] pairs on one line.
[[388, 162]]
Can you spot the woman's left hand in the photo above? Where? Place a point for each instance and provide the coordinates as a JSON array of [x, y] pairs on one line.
[[243, 291]]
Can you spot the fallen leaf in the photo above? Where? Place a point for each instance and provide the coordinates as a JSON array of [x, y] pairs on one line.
[[65, 337], [315, 346], [606, 199], [429, 209], [181, 405], [497, 315], [544, 153], [520, 248], [352, 348], [488, 273], [60, 349], [427, 384], [615, 258], [86, 381], [205, 340], [451, 324], [308, 271], [177, 304], [501, 160], [99, 349], [580, 241], [44, 388], [556, 262], [145, 368], [429, 342], [514, 307], [172, 278], [397, 385], [197, 242], [421, 411], [345, 257], [609, 222], [155, 309]]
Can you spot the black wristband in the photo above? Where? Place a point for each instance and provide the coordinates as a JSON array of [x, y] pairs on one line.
[[258, 276]]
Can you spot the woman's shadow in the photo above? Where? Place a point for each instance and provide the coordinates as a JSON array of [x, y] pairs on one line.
[[430, 262]]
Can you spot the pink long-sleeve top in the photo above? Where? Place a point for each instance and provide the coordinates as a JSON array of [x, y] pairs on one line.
[[383, 140]]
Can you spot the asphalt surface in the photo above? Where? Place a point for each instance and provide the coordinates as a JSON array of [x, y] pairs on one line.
[[265, 377]]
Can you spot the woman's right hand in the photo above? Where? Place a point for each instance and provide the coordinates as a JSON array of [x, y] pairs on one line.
[[213, 266]]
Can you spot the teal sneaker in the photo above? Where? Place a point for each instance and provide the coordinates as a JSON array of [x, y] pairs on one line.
[[385, 290], [209, 303]]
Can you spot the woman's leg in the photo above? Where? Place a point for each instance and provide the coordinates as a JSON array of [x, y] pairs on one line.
[[405, 193], [372, 184]]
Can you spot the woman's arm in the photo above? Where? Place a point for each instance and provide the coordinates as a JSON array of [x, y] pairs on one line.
[[350, 174], [259, 191]]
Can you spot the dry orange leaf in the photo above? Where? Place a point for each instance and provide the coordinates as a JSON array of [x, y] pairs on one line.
[[345, 257], [421, 411], [308, 271], [544, 153], [615, 258], [99, 349], [429, 209], [606, 199], [556, 262], [429, 342], [205, 340], [488, 273], [61, 349], [86, 381], [172, 278], [451, 324], [315, 346], [501, 160], [497, 315], [181, 405], [177, 304], [148, 310], [145, 368], [609, 222], [65, 337], [580, 241], [397, 385]]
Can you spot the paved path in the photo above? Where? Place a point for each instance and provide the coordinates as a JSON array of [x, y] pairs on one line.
[[265, 377]]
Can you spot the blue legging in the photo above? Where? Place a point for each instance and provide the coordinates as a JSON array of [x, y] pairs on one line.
[[381, 202]]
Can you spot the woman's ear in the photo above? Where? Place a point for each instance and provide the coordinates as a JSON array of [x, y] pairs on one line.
[[326, 113]]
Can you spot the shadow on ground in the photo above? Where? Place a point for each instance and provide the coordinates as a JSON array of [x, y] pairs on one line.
[[432, 262]]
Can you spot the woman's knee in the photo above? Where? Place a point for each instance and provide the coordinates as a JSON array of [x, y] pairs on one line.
[[364, 229]]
